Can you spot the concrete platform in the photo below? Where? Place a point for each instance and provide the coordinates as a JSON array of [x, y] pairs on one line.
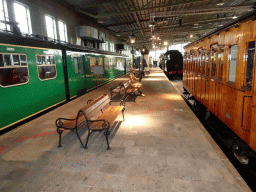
[[160, 147]]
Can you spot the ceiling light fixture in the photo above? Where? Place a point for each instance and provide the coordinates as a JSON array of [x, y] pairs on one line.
[[234, 17]]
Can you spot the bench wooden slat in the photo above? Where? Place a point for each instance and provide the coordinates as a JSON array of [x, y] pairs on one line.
[[109, 115], [71, 124]]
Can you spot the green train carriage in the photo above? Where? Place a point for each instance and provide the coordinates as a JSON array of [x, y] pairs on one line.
[[33, 79]]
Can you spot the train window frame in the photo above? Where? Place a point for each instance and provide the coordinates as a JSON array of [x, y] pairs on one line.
[[229, 62], [214, 61], [12, 66], [245, 85], [77, 66], [45, 65], [219, 68], [203, 56], [207, 62]]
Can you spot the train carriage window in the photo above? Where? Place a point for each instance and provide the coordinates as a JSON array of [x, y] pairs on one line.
[[203, 64], [7, 60], [250, 61], [1, 60], [52, 60], [12, 72], [23, 60], [43, 60], [75, 61], [46, 68], [16, 60], [214, 59], [38, 60], [221, 61], [207, 64], [232, 63]]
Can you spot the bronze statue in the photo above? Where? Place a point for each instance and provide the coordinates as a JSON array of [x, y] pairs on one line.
[[135, 83]]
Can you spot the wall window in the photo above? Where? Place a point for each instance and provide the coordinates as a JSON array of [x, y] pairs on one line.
[[249, 65], [4, 16], [221, 61], [22, 16], [50, 27], [214, 59], [232, 63], [46, 67], [63, 31], [13, 69]]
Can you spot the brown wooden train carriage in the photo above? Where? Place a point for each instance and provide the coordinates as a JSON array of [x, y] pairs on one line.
[[219, 72]]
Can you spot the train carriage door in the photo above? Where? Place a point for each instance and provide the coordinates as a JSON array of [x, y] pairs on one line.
[[199, 74], [185, 65], [207, 79], [192, 78], [212, 75], [249, 110], [219, 77]]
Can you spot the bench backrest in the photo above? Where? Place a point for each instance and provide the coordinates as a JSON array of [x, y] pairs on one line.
[[95, 106]]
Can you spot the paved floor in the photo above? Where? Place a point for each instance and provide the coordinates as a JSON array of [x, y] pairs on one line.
[[161, 146]]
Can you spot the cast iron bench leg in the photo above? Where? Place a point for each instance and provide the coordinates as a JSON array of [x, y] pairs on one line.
[[60, 132], [89, 133], [79, 138], [106, 133]]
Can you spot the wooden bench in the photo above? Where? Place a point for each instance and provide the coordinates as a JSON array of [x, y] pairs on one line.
[[100, 122], [116, 90]]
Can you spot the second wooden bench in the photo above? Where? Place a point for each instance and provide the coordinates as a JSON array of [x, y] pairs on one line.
[[94, 121]]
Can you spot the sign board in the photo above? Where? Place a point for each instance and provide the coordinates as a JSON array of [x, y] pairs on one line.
[[98, 70]]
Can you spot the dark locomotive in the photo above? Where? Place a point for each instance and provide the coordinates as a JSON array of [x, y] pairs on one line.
[[172, 63]]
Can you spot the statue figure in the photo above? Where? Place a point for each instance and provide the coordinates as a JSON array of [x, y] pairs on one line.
[[134, 82]]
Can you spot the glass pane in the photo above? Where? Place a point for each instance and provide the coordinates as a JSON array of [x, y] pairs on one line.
[[16, 60], [7, 60], [23, 60], [81, 65], [1, 61], [207, 63], [21, 17], [13, 76], [47, 72], [38, 60], [75, 60], [232, 63], [221, 59], [43, 60], [48, 59], [4, 15], [50, 27], [62, 30], [52, 60], [250, 61], [203, 64], [214, 61]]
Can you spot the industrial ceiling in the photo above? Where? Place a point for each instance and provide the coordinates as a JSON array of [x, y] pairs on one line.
[[172, 21]]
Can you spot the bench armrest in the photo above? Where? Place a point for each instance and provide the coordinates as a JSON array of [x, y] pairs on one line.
[[59, 123], [105, 124], [89, 101]]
